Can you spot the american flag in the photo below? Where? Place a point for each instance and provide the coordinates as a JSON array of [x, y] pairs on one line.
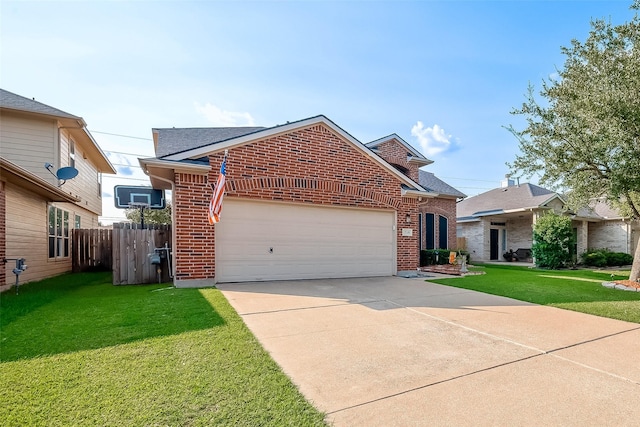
[[215, 205]]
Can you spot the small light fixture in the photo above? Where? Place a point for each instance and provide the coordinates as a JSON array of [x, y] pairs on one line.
[[408, 218]]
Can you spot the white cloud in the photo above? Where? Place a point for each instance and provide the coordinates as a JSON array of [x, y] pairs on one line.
[[223, 118], [432, 140]]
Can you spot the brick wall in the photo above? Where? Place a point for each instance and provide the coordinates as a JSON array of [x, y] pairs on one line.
[[475, 233], [441, 207], [396, 154], [612, 235], [310, 165], [520, 233], [195, 251], [3, 234]]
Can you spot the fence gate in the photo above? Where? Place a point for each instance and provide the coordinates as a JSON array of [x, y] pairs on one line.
[[131, 249], [91, 250]]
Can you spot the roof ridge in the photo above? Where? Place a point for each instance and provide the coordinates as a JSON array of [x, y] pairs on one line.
[[23, 103]]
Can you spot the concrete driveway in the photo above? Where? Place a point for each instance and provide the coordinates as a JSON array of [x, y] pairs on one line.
[[404, 352]]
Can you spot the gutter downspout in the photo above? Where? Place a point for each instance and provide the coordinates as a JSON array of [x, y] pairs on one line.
[[173, 222]]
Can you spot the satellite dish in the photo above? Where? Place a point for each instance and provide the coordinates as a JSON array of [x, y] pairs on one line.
[[66, 173], [63, 174]]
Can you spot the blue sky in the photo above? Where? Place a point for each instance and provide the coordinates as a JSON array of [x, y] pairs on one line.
[[443, 75]]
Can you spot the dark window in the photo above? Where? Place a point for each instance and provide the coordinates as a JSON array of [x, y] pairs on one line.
[[443, 228], [420, 231], [430, 231]]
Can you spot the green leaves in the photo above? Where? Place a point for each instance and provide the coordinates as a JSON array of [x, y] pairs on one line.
[[552, 241], [585, 135]]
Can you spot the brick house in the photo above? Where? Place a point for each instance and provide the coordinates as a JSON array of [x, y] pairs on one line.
[[436, 215], [502, 219], [303, 200]]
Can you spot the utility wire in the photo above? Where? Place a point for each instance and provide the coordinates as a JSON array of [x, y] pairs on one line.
[[126, 154], [117, 134]]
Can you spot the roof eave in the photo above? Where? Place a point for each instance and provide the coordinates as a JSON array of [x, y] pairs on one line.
[[418, 194], [419, 161], [166, 170], [15, 174]]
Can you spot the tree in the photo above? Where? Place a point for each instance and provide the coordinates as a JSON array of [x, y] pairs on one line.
[[585, 138], [552, 240], [151, 216]]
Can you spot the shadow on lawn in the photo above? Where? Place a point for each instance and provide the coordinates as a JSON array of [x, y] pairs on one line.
[[85, 311]]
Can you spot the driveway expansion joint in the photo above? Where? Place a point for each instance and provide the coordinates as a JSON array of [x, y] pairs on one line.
[[422, 387], [283, 310]]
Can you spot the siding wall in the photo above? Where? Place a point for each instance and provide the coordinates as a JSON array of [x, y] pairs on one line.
[[85, 184], [27, 236], [311, 165], [3, 236], [29, 143]]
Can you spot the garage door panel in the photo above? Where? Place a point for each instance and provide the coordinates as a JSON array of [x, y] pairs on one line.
[[271, 241]]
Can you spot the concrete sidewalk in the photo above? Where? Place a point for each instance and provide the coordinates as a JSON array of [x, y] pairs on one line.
[[392, 351]]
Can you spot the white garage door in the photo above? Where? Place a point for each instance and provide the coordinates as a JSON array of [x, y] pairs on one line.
[[275, 241]]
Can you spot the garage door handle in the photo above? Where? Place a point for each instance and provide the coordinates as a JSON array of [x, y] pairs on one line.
[[270, 250]]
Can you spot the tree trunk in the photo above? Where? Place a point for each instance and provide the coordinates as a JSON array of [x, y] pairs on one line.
[[635, 268]]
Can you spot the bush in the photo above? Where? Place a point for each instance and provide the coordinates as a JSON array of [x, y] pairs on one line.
[[428, 256], [605, 258], [594, 259], [552, 239]]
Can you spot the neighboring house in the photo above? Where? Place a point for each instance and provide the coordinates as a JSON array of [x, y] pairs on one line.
[[303, 200], [36, 212], [502, 219]]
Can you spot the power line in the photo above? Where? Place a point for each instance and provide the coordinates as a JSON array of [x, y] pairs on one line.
[[130, 166], [126, 154], [117, 134], [468, 179], [124, 177]]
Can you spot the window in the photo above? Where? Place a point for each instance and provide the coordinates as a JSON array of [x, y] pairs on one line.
[[58, 233], [443, 228], [72, 153], [77, 222], [430, 231], [99, 185], [420, 231]]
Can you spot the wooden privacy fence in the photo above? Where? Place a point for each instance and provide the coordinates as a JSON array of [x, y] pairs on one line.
[[91, 249], [131, 249]]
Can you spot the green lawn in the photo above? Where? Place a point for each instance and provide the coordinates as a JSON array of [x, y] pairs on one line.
[[75, 350], [578, 290]]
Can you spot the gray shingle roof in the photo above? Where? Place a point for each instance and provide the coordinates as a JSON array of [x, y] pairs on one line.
[[503, 199], [16, 102], [430, 182], [176, 140]]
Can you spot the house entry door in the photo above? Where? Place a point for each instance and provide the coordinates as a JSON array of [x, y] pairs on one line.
[[493, 244]]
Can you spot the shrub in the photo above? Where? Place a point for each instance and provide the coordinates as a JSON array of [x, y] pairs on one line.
[[552, 239], [594, 259], [605, 258]]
